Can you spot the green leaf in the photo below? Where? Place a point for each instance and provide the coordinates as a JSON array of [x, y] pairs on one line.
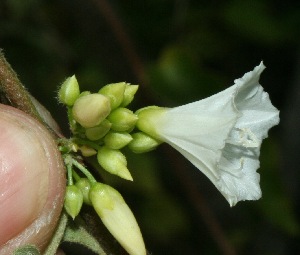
[[88, 231], [27, 250], [76, 232]]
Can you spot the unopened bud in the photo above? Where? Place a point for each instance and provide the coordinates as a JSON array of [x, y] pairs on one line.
[[147, 118], [129, 93], [122, 120], [118, 218], [96, 133], [84, 93], [87, 151], [73, 200], [90, 110], [115, 93], [69, 91], [114, 162], [84, 185], [117, 140], [142, 143]]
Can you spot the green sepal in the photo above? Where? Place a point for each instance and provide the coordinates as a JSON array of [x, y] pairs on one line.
[[96, 133], [84, 93], [73, 200], [114, 162], [84, 185], [129, 93], [122, 120], [115, 93], [117, 140], [75, 127], [142, 143], [147, 118], [69, 91]]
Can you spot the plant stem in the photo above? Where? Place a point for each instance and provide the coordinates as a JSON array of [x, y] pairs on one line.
[[70, 178], [13, 93], [13, 90], [84, 171], [75, 175]]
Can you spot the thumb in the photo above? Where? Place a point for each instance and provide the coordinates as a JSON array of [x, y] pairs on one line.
[[32, 182]]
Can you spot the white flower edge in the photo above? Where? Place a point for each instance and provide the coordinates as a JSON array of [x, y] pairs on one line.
[[221, 135]]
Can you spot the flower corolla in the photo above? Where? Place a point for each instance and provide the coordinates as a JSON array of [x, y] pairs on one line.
[[221, 135]]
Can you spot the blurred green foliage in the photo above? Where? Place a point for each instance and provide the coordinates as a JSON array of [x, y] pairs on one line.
[[189, 50]]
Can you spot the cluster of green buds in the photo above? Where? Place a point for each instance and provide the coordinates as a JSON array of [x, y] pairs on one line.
[[101, 126], [107, 202]]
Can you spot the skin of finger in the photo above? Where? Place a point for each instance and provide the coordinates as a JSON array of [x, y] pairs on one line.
[[39, 231]]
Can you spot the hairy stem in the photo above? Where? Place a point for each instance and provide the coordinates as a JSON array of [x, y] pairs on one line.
[[13, 91]]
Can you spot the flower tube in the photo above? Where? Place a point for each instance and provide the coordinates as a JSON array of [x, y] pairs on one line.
[[221, 135]]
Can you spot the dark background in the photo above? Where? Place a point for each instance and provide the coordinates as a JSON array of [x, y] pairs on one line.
[[178, 51]]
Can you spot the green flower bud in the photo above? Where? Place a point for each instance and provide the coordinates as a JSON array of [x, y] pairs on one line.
[[147, 119], [129, 93], [84, 185], [117, 140], [115, 93], [90, 110], [118, 218], [69, 91], [122, 120], [96, 133], [142, 143], [87, 151], [73, 200], [84, 93], [114, 162]]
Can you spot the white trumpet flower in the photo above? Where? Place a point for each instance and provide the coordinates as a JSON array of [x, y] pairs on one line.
[[221, 135]]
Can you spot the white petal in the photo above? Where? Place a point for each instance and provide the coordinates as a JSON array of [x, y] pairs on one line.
[[199, 130], [221, 135], [258, 113], [258, 116], [238, 177]]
